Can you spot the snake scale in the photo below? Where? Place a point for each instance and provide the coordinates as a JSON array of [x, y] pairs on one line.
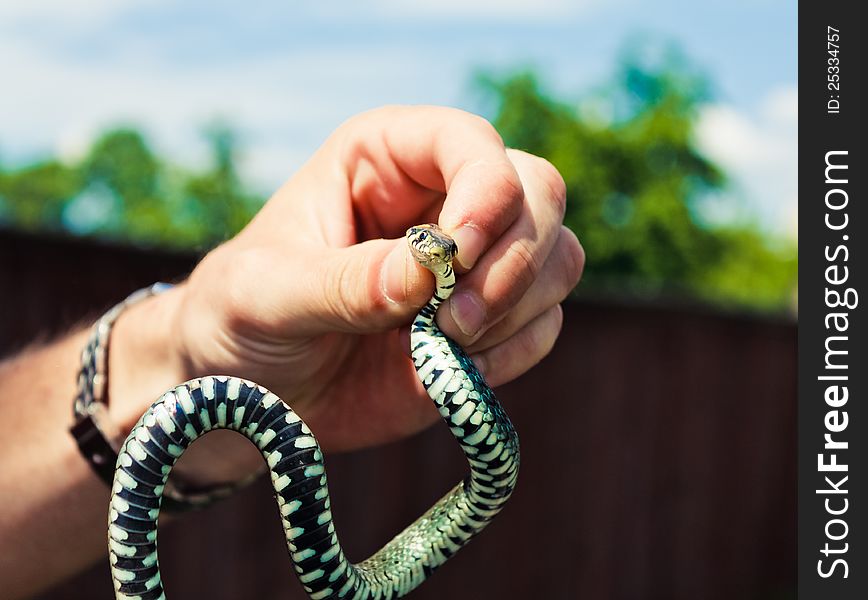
[[180, 416]]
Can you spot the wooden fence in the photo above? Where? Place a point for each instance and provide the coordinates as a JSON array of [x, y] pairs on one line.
[[658, 456]]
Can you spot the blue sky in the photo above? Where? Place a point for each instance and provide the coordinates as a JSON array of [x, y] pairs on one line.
[[286, 74]]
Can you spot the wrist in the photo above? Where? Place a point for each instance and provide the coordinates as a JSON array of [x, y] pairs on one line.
[[144, 359]]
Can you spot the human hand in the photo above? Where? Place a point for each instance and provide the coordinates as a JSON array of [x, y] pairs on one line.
[[313, 298]]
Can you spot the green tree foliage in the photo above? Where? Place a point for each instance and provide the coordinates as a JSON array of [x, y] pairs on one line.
[[636, 185], [121, 190], [34, 197]]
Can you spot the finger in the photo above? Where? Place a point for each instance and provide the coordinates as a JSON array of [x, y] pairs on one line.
[[410, 152], [367, 287], [526, 348], [558, 277], [509, 268], [330, 289]]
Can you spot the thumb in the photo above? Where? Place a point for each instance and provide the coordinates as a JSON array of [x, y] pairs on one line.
[[372, 286]]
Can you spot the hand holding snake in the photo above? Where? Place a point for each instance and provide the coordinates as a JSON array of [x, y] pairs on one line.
[[312, 299]]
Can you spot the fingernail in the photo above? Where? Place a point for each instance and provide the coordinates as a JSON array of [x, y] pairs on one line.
[[468, 312], [470, 242]]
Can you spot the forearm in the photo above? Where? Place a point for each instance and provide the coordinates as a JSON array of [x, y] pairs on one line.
[[49, 495]]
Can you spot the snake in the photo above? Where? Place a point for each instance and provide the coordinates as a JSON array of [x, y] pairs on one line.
[[181, 415]]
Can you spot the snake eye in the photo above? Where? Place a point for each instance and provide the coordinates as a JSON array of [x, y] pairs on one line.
[[423, 236]]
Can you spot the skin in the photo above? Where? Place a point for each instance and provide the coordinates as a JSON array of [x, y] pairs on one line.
[[312, 300]]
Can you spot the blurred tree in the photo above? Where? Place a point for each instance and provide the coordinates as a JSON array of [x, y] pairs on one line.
[[121, 170], [636, 183], [34, 197], [216, 197], [122, 190]]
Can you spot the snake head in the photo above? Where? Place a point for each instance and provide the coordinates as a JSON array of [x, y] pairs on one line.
[[430, 246]]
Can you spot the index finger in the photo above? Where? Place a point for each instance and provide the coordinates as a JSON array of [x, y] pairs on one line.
[[442, 150]]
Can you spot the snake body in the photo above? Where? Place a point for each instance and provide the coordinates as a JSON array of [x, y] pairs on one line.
[[294, 458]]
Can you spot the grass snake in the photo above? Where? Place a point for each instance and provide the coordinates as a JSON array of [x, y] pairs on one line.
[[190, 410]]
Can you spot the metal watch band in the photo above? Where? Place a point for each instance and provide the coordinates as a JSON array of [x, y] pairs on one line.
[[99, 439]]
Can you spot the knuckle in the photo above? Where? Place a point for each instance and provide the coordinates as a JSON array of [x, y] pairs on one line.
[[572, 257], [558, 322], [349, 126], [522, 266], [507, 183], [484, 127], [341, 297], [543, 333], [503, 192], [526, 348], [353, 137], [543, 176], [525, 266], [538, 339], [243, 263], [528, 343], [554, 182]]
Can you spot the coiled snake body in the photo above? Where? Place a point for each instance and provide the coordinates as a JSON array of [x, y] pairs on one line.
[[194, 408]]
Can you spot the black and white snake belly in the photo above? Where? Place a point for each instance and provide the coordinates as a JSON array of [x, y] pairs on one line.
[[196, 407]]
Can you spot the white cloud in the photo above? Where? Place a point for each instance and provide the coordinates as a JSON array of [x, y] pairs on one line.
[[781, 106], [284, 106], [760, 154]]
